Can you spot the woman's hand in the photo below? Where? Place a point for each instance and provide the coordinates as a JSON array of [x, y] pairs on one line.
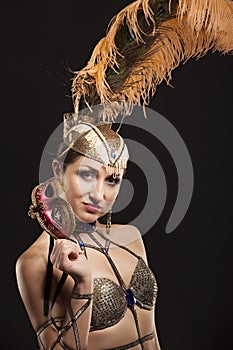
[[68, 257]]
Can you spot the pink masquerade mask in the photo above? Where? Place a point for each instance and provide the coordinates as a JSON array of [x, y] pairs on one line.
[[54, 214]]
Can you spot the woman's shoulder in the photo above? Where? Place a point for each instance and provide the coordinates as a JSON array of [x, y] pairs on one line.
[[130, 231], [34, 257], [128, 236], [30, 274], [132, 238]]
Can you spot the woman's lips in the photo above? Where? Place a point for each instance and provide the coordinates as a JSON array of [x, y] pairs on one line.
[[91, 207]]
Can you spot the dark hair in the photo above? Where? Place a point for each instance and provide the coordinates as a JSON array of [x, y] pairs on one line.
[[65, 156]]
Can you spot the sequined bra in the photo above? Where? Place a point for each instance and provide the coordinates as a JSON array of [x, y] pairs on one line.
[[110, 300]]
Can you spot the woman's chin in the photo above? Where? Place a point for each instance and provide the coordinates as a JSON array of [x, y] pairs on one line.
[[88, 217]]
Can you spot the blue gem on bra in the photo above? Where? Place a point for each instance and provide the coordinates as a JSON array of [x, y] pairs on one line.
[[131, 300]]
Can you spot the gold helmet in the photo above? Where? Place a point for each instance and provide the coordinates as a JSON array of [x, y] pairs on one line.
[[98, 142]]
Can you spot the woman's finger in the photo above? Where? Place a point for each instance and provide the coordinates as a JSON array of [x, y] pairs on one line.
[[64, 251]]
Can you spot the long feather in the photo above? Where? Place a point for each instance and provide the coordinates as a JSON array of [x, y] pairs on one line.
[[144, 43]]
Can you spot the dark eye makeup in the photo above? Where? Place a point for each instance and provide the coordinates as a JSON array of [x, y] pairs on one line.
[[89, 175], [113, 181], [86, 174]]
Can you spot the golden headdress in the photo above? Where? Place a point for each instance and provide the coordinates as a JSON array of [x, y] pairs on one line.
[[144, 43], [96, 141]]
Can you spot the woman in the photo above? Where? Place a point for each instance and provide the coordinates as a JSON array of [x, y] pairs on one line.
[[94, 289]]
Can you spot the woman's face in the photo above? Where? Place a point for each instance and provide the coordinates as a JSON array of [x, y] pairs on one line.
[[89, 189]]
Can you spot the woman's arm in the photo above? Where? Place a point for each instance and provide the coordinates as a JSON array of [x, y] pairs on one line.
[[73, 330], [69, 258], [157, 346], [77, 320]]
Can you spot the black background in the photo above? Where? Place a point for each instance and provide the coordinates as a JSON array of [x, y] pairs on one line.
[[193, 265]]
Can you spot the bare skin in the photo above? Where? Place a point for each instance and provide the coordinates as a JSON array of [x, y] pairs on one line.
[[91, 192]]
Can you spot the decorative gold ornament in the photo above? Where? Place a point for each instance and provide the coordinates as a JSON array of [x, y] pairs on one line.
[[98, 142]]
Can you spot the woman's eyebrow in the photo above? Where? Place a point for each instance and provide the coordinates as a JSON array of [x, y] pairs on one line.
[[89, 167]]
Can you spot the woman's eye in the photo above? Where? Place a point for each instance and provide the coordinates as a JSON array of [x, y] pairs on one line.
[[86, 175], [111, 181]]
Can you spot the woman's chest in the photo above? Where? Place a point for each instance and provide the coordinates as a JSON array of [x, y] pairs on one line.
[[119, 282]]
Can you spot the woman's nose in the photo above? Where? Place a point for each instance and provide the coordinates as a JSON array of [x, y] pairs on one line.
[[97, 192]]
